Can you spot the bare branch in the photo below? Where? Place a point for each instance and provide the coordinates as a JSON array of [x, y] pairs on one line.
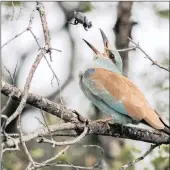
[[26, 88], [40, 132], [71, 166], [21, 7], [65, 142], [95, 146], [41, 10], [12, 76], [19, 34], [127, 49], [116, 130], [13, 11], [31, 18], [49, 65], [23, 143], [46, 125], [43, 164], [132, 163], [56, 49], [148, 57], [23, 103]]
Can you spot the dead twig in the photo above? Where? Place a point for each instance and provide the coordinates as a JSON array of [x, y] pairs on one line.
[[22, 32], [46, 125], [41, 10], [49, 65], [148, 57], [56, 49], [17, 35], [65, 142], [127, 49], [21, 7], [13, 11], [26, 88], [13, 83], [43, 164], [132, 163]]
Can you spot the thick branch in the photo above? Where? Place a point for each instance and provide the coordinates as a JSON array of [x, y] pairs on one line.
[[95, 128], [116, 130], [39, 102]]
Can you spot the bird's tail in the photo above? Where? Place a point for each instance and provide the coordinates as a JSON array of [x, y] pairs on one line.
[[167, 128]]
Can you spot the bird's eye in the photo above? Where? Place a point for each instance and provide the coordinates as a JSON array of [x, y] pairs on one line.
[[112, 57]]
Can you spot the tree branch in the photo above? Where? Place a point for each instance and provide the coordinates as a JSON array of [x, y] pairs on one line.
[[116, 130], [41, 10], [148, 57], [132, 163]]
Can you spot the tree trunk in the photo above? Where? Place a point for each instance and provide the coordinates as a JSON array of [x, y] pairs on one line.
[[123, 29]]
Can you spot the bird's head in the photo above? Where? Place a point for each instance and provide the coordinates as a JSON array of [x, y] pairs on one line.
[[109, 53]]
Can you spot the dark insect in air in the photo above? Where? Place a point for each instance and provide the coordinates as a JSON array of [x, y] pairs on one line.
[[80, 18]]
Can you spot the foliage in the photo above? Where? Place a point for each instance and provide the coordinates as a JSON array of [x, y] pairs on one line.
[[126, 155], [162, 161]]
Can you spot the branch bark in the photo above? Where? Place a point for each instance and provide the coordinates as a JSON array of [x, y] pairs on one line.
[[41, 10], [116, 130]]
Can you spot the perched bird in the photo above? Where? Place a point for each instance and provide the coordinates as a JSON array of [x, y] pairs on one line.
[[115, 95]]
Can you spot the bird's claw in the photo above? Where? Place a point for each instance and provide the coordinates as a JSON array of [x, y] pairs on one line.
[[105, 121]]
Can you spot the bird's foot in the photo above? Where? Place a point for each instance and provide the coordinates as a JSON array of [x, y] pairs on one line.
[[105, 121]]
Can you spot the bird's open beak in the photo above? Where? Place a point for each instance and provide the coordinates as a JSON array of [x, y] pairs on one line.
[[105, 42], [92, 47]]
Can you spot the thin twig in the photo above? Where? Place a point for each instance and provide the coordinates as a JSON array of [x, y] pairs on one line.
[[46, 125], [127, 49], [41, 10], [26, 88], [56, 156], [22, 105], [21, 7], [148, 57], [7, 70], [13, 11], [56, 49], [95, 146], [19, 34], [71, 166], [49, 65], [65, 142], [132, 163], [24, 144], [31, 18], [43, 164], [13, 83], [40, 132]]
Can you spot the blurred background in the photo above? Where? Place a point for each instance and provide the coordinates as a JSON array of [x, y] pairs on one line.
[[145, 22]]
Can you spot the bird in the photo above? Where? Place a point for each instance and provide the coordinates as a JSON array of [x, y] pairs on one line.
[[115, 95]]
